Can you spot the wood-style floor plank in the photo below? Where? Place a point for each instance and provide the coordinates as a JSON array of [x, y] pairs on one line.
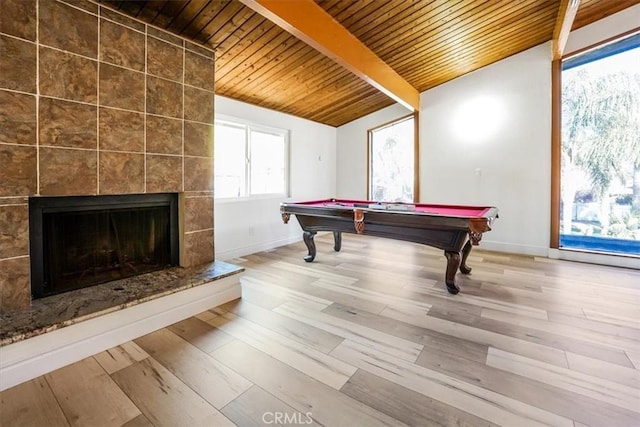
[[139, 421], [322, 293], [613, 318], [372, 295], [314, 363], [483, 403], [513, 309], [370, 337], [164, 399], [604, 370], [285, 294], [213, 381], [88, 396], [201, 334], [549, 339], [303, 393], [627, 305], [31, 404], [120, 357], [634, 358], [498, 290], [589, 386], [410, 407], [481, 336], [381, 277], [527, 389], [259, 297], [568, 331], [428, 338], [257, 408], [594, 325], [298, 331]]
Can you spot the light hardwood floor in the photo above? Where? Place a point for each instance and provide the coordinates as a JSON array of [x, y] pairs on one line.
[[369, 336]]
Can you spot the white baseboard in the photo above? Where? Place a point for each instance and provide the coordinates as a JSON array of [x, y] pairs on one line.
[[226, 255], [514, 248], [30, 358], [592, 258]]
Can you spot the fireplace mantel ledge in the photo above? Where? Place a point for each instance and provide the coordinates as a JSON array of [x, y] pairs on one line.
[[65, 328], [57, 311]]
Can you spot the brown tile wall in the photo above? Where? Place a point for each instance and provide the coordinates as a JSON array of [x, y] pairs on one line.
[[94, 102]]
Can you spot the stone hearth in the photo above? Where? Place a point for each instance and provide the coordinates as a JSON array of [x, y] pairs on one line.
[[57, 311]]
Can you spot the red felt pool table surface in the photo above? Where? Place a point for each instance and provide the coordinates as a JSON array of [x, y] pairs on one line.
[[444, 210]]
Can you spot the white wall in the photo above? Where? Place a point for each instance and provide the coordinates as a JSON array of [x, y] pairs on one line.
[[485, 139], [508, 168], [351, 149], [250, 225]]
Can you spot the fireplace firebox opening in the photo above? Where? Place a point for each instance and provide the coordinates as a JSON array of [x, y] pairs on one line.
[[81, 241]]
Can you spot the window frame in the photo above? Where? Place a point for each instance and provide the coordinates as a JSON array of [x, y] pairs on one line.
[[250, 126], [416, 150], [556, 133]]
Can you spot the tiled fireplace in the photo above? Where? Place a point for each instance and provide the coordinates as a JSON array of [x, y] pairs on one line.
[[82, 241], [94, 103]]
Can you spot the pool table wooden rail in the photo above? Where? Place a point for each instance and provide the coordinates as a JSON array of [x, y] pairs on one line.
[[453, 234]]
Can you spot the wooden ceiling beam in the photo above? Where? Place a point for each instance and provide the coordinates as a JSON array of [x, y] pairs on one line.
[[564, 22], [311, 24]]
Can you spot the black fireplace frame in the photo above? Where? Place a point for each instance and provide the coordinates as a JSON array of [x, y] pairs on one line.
[[39, 206]]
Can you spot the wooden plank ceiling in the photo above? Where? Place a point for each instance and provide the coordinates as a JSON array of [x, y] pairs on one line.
[[427, 42]]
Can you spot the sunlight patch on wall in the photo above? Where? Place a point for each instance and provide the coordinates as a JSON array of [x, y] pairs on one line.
[[478, 119]]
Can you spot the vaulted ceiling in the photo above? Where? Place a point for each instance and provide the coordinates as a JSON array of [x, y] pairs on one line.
[[427, 42]]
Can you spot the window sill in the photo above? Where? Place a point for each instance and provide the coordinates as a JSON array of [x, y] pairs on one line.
[[227, 200]]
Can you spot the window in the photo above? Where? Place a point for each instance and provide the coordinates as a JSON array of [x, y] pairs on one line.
[[250, 160], [392, 175], [600, 149]]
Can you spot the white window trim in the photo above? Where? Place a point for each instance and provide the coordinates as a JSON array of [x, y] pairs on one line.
[[261, 128]]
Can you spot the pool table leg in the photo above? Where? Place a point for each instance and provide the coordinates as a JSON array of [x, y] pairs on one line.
[[337, 241], [464, 268], [453, 263], [308, 236]]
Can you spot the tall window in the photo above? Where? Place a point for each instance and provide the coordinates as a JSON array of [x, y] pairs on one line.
[[250, 160], [600, 154], [392, 161]]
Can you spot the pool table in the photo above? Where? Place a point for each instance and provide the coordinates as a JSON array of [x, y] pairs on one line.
[[453, 229]]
